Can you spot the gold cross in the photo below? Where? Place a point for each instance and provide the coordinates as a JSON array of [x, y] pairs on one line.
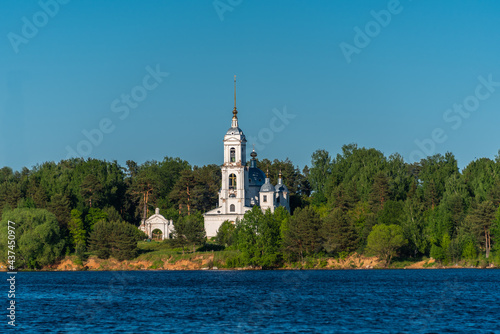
[[232, 178]]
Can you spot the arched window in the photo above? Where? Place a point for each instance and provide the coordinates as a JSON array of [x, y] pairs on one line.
[[232, 208], [232, 154], [232, 181]]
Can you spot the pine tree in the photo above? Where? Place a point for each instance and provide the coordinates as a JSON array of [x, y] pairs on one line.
[[338, 233], [302, 236], [380, 191]]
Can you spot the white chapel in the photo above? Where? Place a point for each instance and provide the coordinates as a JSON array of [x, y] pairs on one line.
[[242, 186]]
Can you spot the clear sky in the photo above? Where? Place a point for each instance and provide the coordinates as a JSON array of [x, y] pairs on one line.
[[310, 75]]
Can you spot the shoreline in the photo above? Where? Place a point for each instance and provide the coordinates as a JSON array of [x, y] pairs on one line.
[[205, 261]]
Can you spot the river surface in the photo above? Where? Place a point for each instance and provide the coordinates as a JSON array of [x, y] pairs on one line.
[[330, 301]]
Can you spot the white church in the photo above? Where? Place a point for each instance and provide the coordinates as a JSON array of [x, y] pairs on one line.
[[242, 186]]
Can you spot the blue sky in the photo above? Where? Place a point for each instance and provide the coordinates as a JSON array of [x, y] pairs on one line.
[[69, 73]]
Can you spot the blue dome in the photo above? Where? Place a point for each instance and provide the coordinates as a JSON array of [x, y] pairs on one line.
[[281, 187], [256, 177], [266, 187], [234, 131]]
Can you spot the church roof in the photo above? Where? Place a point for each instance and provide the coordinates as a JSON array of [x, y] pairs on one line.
[[256, 177], [266, 187], [156, 216], [234, 131], [281, 187]]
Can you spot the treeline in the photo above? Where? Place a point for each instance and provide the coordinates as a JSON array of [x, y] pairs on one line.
[[358, 201], [364, 202], [78, 194]]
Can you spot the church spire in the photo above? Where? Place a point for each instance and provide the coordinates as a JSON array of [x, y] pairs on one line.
[[234, 123]]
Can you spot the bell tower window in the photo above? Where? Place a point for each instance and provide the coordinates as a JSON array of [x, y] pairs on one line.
[[232, 181], [232, 208], [232, 154]]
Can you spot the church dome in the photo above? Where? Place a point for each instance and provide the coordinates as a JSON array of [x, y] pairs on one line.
[[234, 131], [266, 187], [281, 187], [256, 177]]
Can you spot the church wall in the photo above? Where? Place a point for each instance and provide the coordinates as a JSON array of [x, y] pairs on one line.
[[213, 222]]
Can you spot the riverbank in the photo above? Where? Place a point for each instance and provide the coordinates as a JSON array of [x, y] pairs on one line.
[[161, 256], [210, 261]]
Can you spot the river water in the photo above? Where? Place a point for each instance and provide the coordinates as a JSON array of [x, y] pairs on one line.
[[329, 301]]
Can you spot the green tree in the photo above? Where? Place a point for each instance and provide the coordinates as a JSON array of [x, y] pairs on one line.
[[225, 235], [190, 230], [38, 237], [302, 234], [433, 173], [385, 240], [495, 231], [391, 213], [93, 216], [380, 191], [259, 237], [337, 233], [320, 171], [479, 222], [77, 232], [115, 239], [413, 224], [59, 205]]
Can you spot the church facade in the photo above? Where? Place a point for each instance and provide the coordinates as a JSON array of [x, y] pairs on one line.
[[242, 186]]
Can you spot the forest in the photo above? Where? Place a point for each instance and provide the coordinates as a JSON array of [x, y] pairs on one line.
[[357, 201]]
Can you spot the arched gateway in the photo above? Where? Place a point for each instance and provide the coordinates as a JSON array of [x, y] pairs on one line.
[[157, 222]]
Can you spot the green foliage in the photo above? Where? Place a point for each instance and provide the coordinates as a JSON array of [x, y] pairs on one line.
[[94, 216], [338, 234], [77, 233], [37, 236], [335, 203], [437, 252], [469, 252], [190, 230], [320, 171], [115, 239], [225, 234], [413, 224], [385, 240], [302, 236], [391, 213], [258, 237]]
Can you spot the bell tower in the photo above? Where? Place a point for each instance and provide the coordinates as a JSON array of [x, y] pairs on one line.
[[232, 193]]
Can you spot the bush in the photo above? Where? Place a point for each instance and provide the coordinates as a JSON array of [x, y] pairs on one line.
[[234, 262]]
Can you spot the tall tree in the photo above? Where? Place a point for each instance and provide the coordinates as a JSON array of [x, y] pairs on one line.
[[337, 233], [480, 220], [77, 232], [320, 171], [380, 191], [302, 235]]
